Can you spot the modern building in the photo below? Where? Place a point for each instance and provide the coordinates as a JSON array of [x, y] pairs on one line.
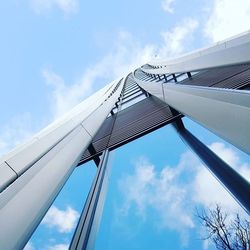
[[210, 86]]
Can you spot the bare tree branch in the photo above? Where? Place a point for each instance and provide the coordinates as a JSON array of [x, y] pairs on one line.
[[225, 234]]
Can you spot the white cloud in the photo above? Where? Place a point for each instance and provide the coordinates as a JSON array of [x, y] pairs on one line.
[[227, 18], [173, 192], [16, 131], [63, 220], [207, 189], [127, 54], [167, 5], [149, 189], [66, 6], [59, 247], [177, 40], [64, 97]]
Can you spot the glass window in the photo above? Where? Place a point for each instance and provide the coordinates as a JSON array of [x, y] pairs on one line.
[[155, 187], [58, 225]]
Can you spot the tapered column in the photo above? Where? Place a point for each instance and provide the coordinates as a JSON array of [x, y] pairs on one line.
[[85, 233], [234, 182], [44, 164], [225, 112], [234, 50]]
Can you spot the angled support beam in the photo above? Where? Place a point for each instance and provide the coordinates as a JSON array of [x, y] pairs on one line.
[[90, 218], [189, 74], [226, 112], [92, 151], [145, 93], [165, 77], [175, 80], [233, 182]]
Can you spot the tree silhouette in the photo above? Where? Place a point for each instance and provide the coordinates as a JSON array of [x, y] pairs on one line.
[[225, 233]]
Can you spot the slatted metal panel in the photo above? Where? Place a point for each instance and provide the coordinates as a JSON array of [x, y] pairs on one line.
[[151, 113], [139, 118], [231, 77], [235, 82], [227, 77], [130, 124]]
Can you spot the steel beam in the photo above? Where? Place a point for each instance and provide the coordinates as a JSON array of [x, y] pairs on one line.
[[233, 182], [90, 218], [92, 151]]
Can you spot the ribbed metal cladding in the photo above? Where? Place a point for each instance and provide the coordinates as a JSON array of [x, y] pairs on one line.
[[237, 81], [130, 124], [137, 119], [231, 77], [150, 113]]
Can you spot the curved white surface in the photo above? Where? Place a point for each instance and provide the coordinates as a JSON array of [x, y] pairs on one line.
[[24, 203], [223, 111], [232, 51]]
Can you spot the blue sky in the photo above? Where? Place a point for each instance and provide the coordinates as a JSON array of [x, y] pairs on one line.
[[54, 53]]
